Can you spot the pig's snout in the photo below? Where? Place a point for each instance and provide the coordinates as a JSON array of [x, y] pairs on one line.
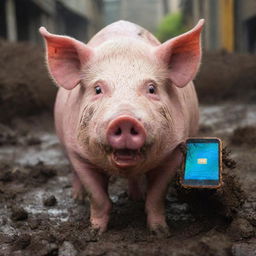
[[126, 132]]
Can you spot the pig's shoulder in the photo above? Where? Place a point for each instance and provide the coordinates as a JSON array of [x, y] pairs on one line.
[[122, 29]]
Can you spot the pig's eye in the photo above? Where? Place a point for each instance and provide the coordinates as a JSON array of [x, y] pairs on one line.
[[98, 90], [151, 89]]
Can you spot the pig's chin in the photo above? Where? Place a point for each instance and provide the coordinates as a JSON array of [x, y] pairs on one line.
[[125, 158]]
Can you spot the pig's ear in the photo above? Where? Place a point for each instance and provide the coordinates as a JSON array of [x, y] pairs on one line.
[[65, 56], [182, 55]]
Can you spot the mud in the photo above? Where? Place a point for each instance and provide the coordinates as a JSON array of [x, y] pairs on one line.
[[18, 214], [25, 87], [226, 76], [244, 135], [39, 217], [50, 201]]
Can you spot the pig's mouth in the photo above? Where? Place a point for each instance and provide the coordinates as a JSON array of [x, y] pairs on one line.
[[124, 158]]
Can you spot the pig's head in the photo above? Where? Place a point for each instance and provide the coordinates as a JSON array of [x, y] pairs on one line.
[[129, 94]]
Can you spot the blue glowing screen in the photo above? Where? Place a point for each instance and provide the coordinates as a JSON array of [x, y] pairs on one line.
[[202, 161]]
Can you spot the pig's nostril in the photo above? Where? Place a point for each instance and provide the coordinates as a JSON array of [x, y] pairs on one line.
[[133, 131], [118, 131]]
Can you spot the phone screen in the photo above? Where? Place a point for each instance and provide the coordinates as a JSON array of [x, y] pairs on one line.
[[202, 163]]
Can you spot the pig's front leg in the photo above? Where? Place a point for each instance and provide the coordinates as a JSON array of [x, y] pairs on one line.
[[158, 180], [77, 188], [96, 185]]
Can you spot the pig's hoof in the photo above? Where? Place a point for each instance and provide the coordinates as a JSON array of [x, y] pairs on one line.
[[160, 231], [98, 226], [96, 232]]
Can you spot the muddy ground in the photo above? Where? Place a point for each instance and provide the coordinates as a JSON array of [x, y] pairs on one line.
[[39, 217]]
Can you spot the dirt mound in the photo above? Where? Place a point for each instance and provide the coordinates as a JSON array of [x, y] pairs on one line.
[[244, 135], [226, 76], [224, 201], [24, 84]]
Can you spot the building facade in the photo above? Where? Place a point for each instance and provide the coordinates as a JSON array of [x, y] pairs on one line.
[[20, 19], [230, 24]]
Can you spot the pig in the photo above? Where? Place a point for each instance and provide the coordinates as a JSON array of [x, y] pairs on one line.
[[124, 106]]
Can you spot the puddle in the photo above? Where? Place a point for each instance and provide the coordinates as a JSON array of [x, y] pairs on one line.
[[48, 151]]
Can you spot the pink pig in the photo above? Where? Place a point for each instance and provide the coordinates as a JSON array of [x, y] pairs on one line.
[[125, 104]]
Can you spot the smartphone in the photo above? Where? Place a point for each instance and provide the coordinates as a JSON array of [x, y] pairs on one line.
[[202, 166]]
